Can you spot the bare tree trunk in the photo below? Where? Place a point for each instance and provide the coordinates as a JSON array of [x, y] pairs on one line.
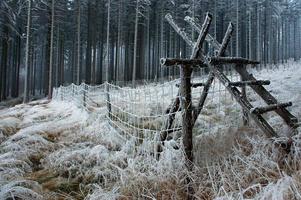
[[47, 55], [108, 40], [57, 57], [148, 55], [295, 39], [89, 44], [135, 44], [162, 42], [94, 63], [250, 35], [93, 55], [27, 66], [4, 63], [41, 81], [3, 68], [51, 51], [119, 48], [237, 28], [62, 65], [278, 41], [100, 52], [215, 19], [78, 42], [15, 89], [265, 36], [31, 70], [34, 72], [258, 50]]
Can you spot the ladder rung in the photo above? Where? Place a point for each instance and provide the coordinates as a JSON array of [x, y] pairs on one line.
[[194, 85], [272, 107], [244, 83]]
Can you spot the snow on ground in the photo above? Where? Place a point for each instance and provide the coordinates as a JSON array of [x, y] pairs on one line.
[[56, 150]]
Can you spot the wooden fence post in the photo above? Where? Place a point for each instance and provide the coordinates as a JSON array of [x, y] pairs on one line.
[[84, 95], [186, 104], [187, 122], [109, 107]]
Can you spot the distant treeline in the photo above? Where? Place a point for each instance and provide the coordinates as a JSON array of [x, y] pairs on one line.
[[56, 42]]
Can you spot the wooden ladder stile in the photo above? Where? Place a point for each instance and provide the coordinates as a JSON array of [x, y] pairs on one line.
[[183, 101], [216, 71]]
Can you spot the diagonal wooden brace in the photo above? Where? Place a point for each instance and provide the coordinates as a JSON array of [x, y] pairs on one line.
[[210, 79], [211, 40], [179, 30]]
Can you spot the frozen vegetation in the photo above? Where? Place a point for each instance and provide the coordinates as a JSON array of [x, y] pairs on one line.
[[57, 150]]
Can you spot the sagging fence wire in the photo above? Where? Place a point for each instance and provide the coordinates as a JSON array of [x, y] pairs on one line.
[[141, 112]]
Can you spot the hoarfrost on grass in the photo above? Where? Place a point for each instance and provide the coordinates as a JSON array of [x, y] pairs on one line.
[[86, 153]]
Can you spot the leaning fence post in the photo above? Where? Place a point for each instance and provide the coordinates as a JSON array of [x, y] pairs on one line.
[[109, 108]]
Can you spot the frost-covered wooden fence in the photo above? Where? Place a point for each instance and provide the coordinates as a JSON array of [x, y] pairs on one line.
[[162, 112], [215, 62], [140, 113], [168, 111]]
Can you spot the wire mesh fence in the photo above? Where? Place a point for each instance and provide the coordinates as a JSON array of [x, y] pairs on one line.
[[141, 112]]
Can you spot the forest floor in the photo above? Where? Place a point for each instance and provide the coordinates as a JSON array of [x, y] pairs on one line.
[[55, 150]]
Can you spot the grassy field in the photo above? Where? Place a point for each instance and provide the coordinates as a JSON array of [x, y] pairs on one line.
[[56, 150]]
